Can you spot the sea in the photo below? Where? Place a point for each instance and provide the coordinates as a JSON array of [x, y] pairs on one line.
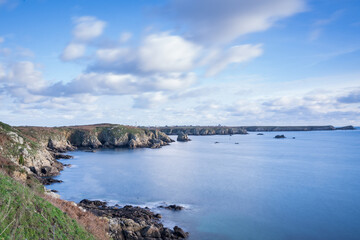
[[306, 186]]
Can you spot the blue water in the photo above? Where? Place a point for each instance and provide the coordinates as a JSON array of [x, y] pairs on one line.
[[262, 188]]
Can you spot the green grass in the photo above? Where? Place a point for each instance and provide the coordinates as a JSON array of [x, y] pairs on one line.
[[5, 126], [24, 215]]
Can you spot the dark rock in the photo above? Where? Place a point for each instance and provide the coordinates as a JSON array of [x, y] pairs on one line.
[[49, 180], [173, 207], [150, 232], [134, 223], [260, 134], [33, 169], [280, 136], [182, 137], [53, 190], [216, 142], [350, 127], [236, 143], [92, 204], [45, 170], [90, 150], [179, 232], [62, 156]]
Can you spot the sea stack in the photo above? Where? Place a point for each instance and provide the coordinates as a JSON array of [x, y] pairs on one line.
[[182, 137]]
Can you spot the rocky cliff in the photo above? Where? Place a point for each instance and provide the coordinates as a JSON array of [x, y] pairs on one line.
[[190, 130], [36, 149], [212, 130]]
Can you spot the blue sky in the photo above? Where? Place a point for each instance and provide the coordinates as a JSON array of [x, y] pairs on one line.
[[176, 62]]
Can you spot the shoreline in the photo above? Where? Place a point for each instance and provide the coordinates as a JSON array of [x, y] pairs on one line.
[[126, 221], [232, 130]]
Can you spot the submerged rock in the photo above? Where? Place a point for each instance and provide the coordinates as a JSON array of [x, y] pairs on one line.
[[260, 134], [172, 207]]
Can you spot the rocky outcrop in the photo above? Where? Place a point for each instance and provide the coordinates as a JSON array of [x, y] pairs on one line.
[[350, 127], [182, 137], [172, 207], [280, 136], [202, 130], [133, 223], [36, 149]]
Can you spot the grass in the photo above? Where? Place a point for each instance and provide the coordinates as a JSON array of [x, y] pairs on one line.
[[5, 126], [25, 215]]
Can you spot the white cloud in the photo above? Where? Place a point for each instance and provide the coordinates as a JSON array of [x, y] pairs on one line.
[[73, 51], [235, 54], [174, 81], [109, 55], [121, 84], [22, 81], [23, 74], [2, 39], [167, 53], [221, 21], [88, 28], [150, 100]]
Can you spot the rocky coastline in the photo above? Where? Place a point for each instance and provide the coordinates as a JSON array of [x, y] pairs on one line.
[[36, 151], [39, 148], [229, 130]]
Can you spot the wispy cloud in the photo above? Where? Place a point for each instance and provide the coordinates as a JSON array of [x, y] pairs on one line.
[[319, 25], [221, 21]]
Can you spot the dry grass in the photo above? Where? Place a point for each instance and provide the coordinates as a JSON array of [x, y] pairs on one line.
[[93, 224]]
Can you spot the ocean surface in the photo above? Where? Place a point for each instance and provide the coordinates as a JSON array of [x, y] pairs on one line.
[[261, 188]]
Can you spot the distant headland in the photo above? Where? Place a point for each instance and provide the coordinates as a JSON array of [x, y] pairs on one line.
[[229, 130]]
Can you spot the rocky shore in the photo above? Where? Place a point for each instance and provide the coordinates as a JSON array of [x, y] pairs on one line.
[[37, 149], [35, 152], [132, 223]]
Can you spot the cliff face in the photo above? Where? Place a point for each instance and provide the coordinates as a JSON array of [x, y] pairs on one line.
[[35, 149], [203, 130], [208, 130]]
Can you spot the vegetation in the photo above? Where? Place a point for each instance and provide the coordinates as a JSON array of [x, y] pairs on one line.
[[5, 126], [25, 215], [21, 160]]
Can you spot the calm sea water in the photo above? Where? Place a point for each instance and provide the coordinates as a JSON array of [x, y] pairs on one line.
[[261, 188]]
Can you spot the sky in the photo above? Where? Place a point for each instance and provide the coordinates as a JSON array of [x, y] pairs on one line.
[[180, 62]]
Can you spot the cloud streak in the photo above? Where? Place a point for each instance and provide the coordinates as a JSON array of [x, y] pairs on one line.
[[222, 21]]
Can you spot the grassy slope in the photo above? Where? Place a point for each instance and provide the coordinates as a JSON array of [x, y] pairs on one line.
[[24, 215]]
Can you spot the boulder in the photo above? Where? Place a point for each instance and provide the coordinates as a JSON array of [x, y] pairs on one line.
[[179, 232]]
